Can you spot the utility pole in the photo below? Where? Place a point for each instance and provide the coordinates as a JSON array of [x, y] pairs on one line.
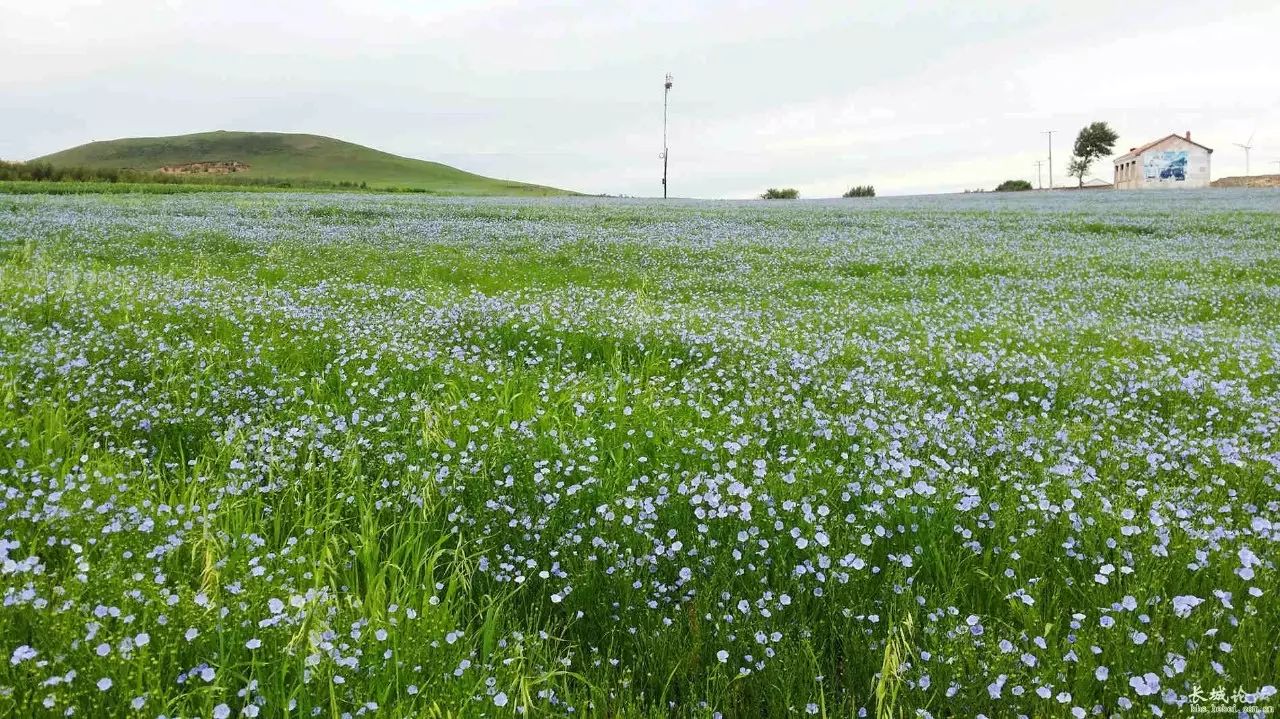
[[665, 150], [1277, 164], [1039, 180], [1050, 134]]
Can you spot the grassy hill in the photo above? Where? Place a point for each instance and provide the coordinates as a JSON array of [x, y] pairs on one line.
[[288, 156]]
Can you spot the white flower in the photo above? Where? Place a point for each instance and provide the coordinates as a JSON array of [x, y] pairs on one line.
[[22, 654], [1184, 604], [1145, 685], [723, 656], [500, 699], [1248, 560], [995, 688]]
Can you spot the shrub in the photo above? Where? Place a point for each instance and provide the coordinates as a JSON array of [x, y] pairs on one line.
[[861, 191], [786, 193], [1013, 186]]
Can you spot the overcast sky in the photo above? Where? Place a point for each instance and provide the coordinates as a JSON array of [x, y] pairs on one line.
[[819, 96]]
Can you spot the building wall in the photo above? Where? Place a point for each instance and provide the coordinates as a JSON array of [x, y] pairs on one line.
[[1173, 163], [1128, 174]]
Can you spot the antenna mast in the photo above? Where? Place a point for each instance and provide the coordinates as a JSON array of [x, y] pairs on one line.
[[666, 90]]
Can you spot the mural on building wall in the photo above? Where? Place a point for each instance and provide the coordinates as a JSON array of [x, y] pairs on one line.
[[1168, 165]]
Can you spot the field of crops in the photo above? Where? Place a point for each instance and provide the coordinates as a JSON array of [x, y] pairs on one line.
[[294, 455]]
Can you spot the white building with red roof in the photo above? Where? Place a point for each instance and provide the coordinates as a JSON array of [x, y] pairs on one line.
[[1170, 162]]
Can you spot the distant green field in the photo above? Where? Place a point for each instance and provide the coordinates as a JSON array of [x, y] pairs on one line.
[[290, 157]]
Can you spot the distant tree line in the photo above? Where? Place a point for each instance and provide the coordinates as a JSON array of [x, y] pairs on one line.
[[791, 193], [45, 172]]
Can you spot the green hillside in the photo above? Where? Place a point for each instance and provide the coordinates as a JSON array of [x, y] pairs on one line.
[[289, 156]]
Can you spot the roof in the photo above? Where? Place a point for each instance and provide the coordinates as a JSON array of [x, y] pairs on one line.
[[1095, 182], [1134, 152]]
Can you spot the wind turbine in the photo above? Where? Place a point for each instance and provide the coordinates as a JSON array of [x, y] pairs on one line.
[[1246, 146]]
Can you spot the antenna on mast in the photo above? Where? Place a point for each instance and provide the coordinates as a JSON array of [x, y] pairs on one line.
[[666, 90]]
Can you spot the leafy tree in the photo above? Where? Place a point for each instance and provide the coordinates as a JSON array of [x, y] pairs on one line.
[[1094, 141], [861, 191], [1013, 186], [1077, 168], [786, 193]]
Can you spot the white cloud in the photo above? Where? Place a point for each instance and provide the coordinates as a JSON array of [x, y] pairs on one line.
[[820, 95]]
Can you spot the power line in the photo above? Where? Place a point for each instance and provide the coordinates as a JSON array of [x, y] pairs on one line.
[[1050, 134]]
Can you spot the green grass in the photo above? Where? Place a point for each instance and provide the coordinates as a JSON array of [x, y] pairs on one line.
[[24, 187], [432, 454], [286, 156]]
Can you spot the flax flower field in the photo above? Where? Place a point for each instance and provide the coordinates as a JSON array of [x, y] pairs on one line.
[[347, 455]]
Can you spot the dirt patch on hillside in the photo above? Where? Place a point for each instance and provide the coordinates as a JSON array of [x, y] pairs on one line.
[[212, 168], [1250, 181]]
